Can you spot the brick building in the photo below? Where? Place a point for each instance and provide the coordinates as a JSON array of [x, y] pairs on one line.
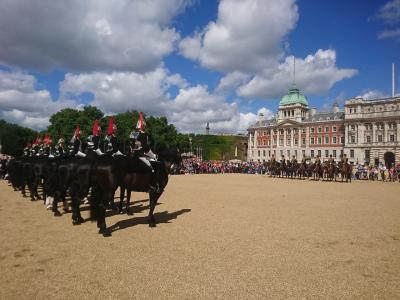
[[366, 130]]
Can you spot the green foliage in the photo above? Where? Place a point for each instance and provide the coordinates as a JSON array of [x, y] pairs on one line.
[[64, 122], [162, 134], [14, 138], [217, 147]]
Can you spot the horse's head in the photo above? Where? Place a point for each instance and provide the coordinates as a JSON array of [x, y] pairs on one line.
[[171, 158]]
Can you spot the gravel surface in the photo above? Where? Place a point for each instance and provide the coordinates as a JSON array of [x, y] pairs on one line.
[[219, 237]]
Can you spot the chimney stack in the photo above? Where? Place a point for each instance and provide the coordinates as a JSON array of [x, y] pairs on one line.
[[313, 111]]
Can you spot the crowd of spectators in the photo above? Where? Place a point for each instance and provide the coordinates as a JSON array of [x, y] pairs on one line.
[[360, 172], [195, 166], [381, 172]]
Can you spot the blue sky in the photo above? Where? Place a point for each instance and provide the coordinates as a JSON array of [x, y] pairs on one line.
[[195, 62]]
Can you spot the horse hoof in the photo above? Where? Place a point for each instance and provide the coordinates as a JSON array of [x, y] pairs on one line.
[[65, 210], [76, 222], [152, 225], [129, 213], [107, 233], [57, 213], [81, 220]]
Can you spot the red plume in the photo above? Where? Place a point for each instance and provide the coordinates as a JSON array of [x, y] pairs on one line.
[[96, 128], [47, 140], [111, 126], [77, 131], [141, 122]]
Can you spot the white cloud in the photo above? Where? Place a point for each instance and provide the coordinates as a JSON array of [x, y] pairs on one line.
[[388, 34], [390, 15], [315, 75], [88, 35], [21, 103], [246, 36], [372, 94], [231, 81], [390, 12]]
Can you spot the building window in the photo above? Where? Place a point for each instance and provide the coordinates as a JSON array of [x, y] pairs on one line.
[[269, 142], [312, 141], [303, 152], [274, 141], [353, 139], [351, 110], [264, 142], [264, 152], [326, 153], [334, 128], [258, 142], [269, 153], [296, 142], [326, 129], [342, 139], [304, 131], [312, 130], [319, 153], [281, 131], [303, 141], [319, 129], [341, 153], [312, 153], [353, 127], [281, 153], [264, 133], [319, 140], [280, 142], [391, 138], [334, 140], [368, 139], [288, 153], [367, 155], [334, 153], [351, 153], [327, 140], [269, 131], [288, 142], [380, 139], [258, 153], [295, 153]]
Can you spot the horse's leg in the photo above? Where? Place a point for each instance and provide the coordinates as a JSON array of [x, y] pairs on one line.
[[128, 200], [57, 196], [101, 213], [121, 198], [153, 202]]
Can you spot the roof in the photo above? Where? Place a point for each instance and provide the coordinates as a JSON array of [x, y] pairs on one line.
[[293, 97], [325, 116]]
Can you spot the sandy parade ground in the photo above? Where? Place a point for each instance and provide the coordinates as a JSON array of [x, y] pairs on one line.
[[219, 237]]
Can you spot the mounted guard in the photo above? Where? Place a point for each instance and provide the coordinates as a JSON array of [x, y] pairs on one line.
[[75, 147], [139, 144]]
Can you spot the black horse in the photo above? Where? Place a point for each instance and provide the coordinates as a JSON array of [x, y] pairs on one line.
[[131, 174]]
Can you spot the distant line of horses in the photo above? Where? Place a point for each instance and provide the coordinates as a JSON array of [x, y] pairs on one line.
[[316, 171], [97, 176]]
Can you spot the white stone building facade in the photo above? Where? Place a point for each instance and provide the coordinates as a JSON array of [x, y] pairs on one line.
[[367, 131]]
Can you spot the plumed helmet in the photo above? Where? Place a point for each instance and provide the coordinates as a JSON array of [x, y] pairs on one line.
[[112, 127], [141, 123], [96, 128]]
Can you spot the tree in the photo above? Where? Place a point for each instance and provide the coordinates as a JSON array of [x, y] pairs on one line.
[[14, 138]]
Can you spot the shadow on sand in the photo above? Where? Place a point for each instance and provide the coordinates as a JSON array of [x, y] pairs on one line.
[[161, 218]]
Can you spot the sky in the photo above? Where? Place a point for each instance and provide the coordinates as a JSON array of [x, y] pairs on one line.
[[193, 61]]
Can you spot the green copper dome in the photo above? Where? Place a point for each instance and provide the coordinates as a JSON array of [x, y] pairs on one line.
[[294, 97]]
